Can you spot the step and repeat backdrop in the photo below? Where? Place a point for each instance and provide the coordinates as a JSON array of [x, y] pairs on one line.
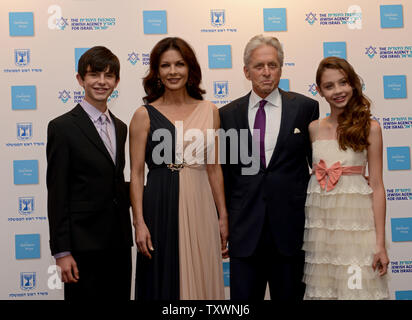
[[42, 41]]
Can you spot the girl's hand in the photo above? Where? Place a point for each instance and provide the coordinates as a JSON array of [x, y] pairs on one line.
[[380, 261], [224, 234]]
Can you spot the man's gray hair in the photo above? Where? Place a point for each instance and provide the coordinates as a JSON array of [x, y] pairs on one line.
[[258, 41]]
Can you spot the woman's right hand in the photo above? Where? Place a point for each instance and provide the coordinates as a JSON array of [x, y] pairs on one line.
[[143, 240], [138, 131]]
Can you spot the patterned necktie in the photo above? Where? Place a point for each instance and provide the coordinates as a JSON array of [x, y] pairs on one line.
[[260, 123], [104, 134]]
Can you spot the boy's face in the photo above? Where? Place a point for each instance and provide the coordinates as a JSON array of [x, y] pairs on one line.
[[98, 85]]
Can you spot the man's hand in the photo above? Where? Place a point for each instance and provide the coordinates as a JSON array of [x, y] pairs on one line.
[[70, 273]]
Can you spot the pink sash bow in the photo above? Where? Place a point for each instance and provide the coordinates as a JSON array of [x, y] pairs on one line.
[[333, 173]]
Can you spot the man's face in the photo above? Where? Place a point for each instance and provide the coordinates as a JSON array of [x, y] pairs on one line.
[[98, 85], [264, 70]]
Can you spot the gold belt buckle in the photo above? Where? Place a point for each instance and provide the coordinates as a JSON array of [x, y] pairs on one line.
[[176, 166]]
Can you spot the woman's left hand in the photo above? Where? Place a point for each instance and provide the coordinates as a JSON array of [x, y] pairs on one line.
[[380, 261], [224, 234]]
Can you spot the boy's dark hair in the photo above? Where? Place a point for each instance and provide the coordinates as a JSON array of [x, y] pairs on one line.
[[98, 58]]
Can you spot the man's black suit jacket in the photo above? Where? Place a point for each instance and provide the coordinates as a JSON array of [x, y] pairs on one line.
[[88, 200], [278, 191]]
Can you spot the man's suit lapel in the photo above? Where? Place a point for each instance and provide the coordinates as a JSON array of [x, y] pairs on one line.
[[242, 112], [289, 112], [82, 120], [242, 121]]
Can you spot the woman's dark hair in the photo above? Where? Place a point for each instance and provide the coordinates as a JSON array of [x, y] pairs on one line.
[[354, 122], [98, 58], [151, 83]]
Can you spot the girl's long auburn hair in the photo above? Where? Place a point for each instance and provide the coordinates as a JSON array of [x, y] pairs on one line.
[[354, 122]]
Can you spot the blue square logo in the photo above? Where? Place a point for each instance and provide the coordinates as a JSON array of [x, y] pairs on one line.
[[27, 246], [78, 52], [274, 19], [394, 87], [399, 158], [401, 229], [391, 16], [26, 171], [403, 295], [226, 273], [21, 24], [284, 84], [334, 49], [23, 98], [155, 22], [220, 57]]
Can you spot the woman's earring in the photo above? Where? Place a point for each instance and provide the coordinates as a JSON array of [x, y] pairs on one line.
[[159, 83]]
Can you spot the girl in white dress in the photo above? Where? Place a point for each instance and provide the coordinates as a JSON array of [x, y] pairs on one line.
[[345, 252]]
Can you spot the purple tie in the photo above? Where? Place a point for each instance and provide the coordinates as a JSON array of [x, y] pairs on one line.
[[260, 123]]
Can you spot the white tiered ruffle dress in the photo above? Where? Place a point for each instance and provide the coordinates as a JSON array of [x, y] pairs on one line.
[[340, 239]]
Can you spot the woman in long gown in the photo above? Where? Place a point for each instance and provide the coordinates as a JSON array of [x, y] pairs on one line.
[[180, 236], [344, 241]]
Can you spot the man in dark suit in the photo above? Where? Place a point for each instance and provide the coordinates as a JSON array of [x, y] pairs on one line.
[[88, 200], [266, 208]]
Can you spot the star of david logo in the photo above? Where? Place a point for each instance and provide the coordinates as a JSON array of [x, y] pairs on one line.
[[311, 18], [133, 58], [61, 23], [312, 89], [64, 95], [371, 51]]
